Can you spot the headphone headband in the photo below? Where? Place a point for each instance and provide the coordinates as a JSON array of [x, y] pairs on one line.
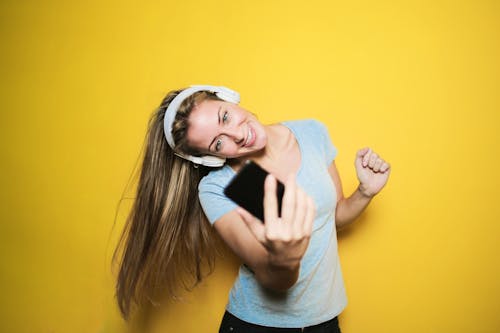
[[223, 93]]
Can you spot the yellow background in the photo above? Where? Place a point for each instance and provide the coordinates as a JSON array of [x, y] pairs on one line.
[[418, 81]]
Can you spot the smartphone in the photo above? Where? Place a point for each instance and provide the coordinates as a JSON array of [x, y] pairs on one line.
[[247, 189]]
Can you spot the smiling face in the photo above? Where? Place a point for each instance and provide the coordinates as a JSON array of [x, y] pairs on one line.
[[224, 129]]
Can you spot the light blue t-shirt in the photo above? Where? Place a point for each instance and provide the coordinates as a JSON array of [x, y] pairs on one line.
[[319, 293]]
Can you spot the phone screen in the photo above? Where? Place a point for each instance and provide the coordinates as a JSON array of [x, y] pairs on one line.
[[247, 189]]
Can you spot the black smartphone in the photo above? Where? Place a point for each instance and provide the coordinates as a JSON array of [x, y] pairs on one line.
[[247, 189]]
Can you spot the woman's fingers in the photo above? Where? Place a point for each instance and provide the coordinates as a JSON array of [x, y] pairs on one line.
[[365, 152], [288, 206], [304, 215], [385, 166], [372, 160], [300, 214], [285, 237], [361, 153], [254, 224], [378, 163], [270, 200], [296, 209]]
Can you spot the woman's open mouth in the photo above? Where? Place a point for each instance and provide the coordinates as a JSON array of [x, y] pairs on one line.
[[250, 137]]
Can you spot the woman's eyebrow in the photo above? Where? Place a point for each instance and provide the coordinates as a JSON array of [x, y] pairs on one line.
[[218, 122]]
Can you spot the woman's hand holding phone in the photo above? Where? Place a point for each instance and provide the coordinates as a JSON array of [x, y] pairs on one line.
[[286, 238]]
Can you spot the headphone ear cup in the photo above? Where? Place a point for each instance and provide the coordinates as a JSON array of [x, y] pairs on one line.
[[212, 161], [206, 160], [228, 95]]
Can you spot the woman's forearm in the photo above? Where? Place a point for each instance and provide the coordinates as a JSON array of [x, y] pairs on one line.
[[278, 279], [348, 209]]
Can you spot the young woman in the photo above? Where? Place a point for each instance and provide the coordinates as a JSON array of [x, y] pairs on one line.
[[291, 277]]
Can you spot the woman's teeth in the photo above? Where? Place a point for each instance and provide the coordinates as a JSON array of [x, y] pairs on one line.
[[249, 137]]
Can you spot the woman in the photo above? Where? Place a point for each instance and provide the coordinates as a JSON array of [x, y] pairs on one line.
[[291, 277]]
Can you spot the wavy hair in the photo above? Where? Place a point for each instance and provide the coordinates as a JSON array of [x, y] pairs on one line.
[[167, 242]]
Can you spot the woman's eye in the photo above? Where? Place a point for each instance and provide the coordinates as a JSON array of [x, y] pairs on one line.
[[218, 145], [224, 117]]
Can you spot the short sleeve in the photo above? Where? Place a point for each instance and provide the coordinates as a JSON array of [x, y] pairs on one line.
[[212, 199], [329, 149]]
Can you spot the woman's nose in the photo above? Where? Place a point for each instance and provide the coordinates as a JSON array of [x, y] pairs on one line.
[[235, 133]]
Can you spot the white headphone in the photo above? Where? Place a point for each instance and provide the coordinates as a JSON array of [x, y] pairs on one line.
[[223, 93]]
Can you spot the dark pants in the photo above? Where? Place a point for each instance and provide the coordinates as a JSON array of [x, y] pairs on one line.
[[231, 324]]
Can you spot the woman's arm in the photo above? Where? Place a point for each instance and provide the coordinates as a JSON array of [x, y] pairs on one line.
[[272, 250], [373, 173], [240, 239]]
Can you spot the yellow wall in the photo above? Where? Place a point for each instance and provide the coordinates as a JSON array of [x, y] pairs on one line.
[[418, 81]]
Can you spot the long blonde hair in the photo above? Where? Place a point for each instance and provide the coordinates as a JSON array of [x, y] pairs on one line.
[[167, 242]]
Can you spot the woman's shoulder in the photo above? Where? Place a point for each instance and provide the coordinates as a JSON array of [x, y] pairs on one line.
[[216, 177], [307, 123]]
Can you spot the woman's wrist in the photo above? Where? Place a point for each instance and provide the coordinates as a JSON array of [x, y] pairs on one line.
[[279, 276], [364, 192], [281, 264]]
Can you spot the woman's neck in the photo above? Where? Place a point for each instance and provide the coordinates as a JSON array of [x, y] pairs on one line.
[[280, 144], [279, 141]]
